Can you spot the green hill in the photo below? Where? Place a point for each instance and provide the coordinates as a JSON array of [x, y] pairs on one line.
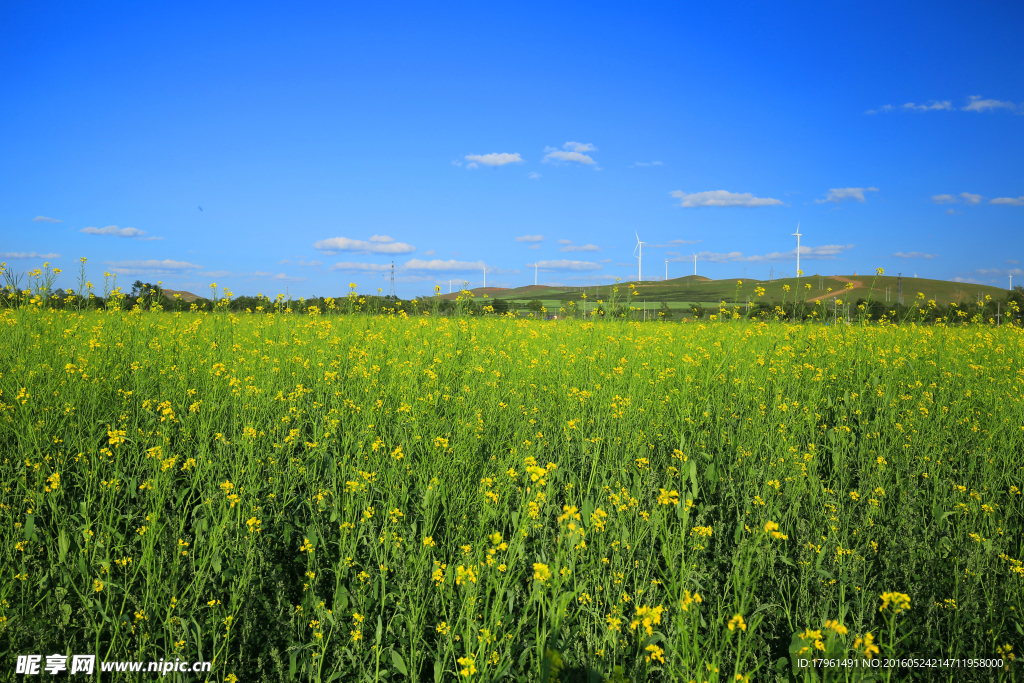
[[680, 292]]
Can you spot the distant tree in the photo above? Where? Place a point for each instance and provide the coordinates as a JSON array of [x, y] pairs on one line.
[[501, 306], [665, 311], [536, 305], [697, 311]]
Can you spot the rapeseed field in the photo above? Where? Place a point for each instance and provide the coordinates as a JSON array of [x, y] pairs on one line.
[[349, 498]]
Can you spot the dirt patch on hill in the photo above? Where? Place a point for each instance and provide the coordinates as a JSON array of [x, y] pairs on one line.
[[857, 284]]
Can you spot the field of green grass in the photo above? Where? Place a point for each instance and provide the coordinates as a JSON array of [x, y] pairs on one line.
[[383, 498]]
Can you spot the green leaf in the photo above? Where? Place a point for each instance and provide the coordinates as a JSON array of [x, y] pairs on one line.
[[437, 672], [30, 527], [399, 663]]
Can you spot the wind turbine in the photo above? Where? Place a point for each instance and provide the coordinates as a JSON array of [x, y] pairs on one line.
[[797, 235], [695, 263], [534, 273], [666, 270], [639, 258]]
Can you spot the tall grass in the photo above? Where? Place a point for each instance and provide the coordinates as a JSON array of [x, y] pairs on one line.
[[371, 498]]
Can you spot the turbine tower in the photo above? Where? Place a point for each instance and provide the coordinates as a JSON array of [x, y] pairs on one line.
[[666, 270], [797, 235], [639, 258], [534, 273], [695, 263]]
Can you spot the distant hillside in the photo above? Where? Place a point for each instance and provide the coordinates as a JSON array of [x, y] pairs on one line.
[[698, 289], [187, 297]]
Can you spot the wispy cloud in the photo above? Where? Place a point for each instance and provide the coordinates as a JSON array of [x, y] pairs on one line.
[[119, 232], [569, 246], [979, 105], [46, 219], [721, 198], [533, 175], [823, 253], [493, 159], [1010, 201], [352, 265], [564, 264], [378, 244], [301, 262], [152, 267], [449, 266], [914, 254], [966, 197], [571, 151], [27, 254], [530, 238], [641, 164], [840, 194], [932, 105]]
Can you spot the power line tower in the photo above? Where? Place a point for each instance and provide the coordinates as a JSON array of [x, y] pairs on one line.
[[391, 295]]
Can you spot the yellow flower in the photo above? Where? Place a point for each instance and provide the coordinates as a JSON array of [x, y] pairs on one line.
[[668, 497], [836, 626], [428, 542], [737, 622], [541, 572], [868, 641], [899, 602], [468, 669]]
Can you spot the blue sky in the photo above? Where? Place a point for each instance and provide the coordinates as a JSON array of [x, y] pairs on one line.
[[265, 147]]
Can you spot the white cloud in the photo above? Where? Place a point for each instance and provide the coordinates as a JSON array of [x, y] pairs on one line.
[[559, 155], [820, 253], [119, 232], [933, 105], [571, 151], [967, 280], [449, 266], [930, 107], [152, 267], [980, 105], [839, 194], [1010, 201], [951, 212], [943, 199], [564, 264], [721, 198], [914, 254], [530, 238], [374, 246], [46, 219], [27, 254], [533, 175], [382, 238], [534, 246], [579, 147], [493, 159], [646, 163], [583, 247], [352, 265], [565, 241], [971, 198], [1013, 261], [429, 252]]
